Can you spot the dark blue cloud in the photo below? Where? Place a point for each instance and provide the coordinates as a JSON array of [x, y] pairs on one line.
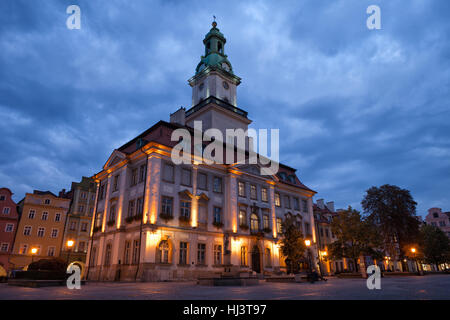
[[356, 107]]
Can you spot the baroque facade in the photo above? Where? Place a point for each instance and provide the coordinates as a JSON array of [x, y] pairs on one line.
[[8, 225], [155, 220]]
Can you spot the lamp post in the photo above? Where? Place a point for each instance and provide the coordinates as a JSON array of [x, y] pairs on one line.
[[33, 252], [413, 250], [69, 244], [308, 244]]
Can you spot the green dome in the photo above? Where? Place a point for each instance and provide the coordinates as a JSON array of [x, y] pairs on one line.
[[214, 52]]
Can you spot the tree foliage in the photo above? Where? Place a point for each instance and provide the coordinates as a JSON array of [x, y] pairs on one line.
[[393, 211], [355, 236], [292, 244], [435, 245]]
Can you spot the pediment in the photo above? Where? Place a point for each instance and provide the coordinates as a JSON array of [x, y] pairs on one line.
[[115, 157]]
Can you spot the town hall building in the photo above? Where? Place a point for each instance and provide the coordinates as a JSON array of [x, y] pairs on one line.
[[155, 220]]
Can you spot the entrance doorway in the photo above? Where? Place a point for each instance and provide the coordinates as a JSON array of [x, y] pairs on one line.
[[256, 259]]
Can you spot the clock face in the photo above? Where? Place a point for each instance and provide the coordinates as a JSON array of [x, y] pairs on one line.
[[225, 85], [225, 66]]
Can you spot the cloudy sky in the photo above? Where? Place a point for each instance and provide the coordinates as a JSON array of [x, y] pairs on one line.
[[355, 107]]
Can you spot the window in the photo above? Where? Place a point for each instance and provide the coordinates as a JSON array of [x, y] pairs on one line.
[[183, 252], [201, 249], [434, 224], [277, 199], [164, 251], [81, 209], [116, 183], [54, 233], [84, 226], [99, 219], [139, 206], [266, 222], [296, 204], [186, 177], [167, 206], [101, 192], [304, 205], [4, 247], [185, 209], [268, 257], [243, 256], [44, 215], [253, 192], [435, 215], [2, 198], [51, 251], [9, 227], [73, 225], [217, 215], [38, 248], [112, 213], [83, 195], [108, 255], [287, 202], [264, 194], [202, 181], [27, 231], [131, 208], [91, 210], [307, 229], [168, 172], [134, 177], [58, 217], [41, 232], [217, 185], [279, 226], [31, 214], [126, 252], [6, 210], [241, 189], [327, 234], [23, 249], [442, 223], [242, 217], [142, 172], [135, 257], [254, 222], [217, 254], [47, 201]]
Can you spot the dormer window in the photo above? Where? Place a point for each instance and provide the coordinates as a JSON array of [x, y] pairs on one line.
[[47, 201]]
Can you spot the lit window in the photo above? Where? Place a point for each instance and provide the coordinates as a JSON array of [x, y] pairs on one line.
[[264, 194], [277, 199], [241, 189], [253, 192], [243, 256]]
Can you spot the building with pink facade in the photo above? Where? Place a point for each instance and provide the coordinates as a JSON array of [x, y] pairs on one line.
[[437, 218], [8, 226]]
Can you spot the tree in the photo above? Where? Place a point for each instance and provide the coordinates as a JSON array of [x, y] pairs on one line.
[[393, 211], [355, 236], [435, 245], [292, 244]]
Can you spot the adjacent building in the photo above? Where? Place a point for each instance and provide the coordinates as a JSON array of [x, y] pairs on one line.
[[155, 220], [41, 228], [437, 218], [8, 226], [79, 218]]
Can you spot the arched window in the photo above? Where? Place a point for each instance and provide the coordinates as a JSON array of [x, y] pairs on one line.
[[268, 257], [163, 252], [254, 222]]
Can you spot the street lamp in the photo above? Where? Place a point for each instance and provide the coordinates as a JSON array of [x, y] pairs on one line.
[[308, 244], [33, 252], [69, 244], [413, 250]]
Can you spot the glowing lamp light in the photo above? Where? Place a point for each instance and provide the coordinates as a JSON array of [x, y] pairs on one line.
[[413, 250], [34, 250], [307, 243], [70, 243]]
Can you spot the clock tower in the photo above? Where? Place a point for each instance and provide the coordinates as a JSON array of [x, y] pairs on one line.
[[214, 88]]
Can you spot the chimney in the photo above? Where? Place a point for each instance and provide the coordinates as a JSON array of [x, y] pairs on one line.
[[179, 116], [320, 203], [330, 206]]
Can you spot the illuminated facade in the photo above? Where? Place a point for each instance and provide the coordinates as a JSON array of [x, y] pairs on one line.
[[158, 221], [8, 225]]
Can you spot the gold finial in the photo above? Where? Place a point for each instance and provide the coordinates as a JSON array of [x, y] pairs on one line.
[[214, 24]]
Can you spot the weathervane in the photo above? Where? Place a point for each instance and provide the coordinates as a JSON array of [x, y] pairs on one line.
[[214, 24]]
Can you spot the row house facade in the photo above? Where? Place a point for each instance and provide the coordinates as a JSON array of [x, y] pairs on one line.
[[155, 220], [436, 217], [79, 218], [9, 218], [41, 227]]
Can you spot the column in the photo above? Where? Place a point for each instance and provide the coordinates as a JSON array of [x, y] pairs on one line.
[[152, 192], [194, 209], [122, 186]]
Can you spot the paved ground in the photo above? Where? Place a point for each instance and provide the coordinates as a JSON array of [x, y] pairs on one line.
[[414, 287]]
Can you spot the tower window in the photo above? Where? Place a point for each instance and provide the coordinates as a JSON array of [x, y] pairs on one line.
[[219, 47]]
